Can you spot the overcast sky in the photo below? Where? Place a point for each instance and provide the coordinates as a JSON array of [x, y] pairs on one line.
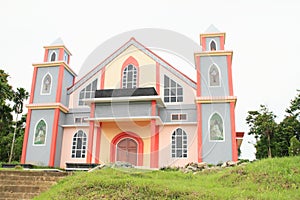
[[264, 35]]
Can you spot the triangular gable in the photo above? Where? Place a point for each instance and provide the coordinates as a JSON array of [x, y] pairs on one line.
[[142, 48]]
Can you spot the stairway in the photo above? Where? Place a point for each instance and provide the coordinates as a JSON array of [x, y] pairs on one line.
[[24, 184]]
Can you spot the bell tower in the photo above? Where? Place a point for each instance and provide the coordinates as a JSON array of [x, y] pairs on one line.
[[47, 106], [215, 99]]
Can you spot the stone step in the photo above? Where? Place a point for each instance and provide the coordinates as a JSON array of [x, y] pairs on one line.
[[15, 195], [23, 184], [30, 178], [4, 182]]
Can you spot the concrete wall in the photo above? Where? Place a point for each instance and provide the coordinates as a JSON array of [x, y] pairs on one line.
[[205, 63], [165, 141], [127, 109], [46, 98], [216, 151], [39, 154]]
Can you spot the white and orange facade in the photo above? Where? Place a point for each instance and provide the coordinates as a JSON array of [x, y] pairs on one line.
[[132, 107]]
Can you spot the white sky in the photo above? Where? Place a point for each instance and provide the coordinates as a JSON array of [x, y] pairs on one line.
[[264, 35]]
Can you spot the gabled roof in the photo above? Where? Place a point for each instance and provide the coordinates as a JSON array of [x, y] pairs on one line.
[[146, 51]]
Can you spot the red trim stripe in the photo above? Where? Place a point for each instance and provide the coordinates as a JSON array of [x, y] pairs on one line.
[[230, 85], [199, 117], [59, 84], [222, 42], [233, 133], [33, 83], [26, 135], [102, 82], [157, 78], [198, 76], [91, 135], [46, 55], [54, 137], [98, 143]]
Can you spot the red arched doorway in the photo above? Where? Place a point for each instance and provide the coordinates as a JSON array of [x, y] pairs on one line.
[[128, 147], [127, 151]]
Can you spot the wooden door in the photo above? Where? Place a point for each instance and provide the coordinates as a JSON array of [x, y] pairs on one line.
[[127, 151]]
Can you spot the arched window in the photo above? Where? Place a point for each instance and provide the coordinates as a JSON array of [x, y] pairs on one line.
[[216, 128], [214, 75], [79, 145], [179, 144], [40, 133], [213, 45], [53, 56], [46, 84], [129, 77]]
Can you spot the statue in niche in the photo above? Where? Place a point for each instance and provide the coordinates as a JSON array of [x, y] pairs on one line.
[[40, 133], [46, 84], [216, 128], [214, 76]]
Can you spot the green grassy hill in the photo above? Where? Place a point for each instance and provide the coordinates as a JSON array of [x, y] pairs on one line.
[[277, 178]]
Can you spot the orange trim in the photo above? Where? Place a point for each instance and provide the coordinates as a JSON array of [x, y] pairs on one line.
[[229, 62], [233, 133], [199, 117], [133, 61], [198, 77], [54, 137], [91, 135], [46, 55], [98, 142], [222, 42], [102, 78], [157, 78], [59, 84], [26, 134], [33, 85], [121, 136]]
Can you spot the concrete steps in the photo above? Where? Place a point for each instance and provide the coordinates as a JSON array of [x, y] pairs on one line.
[[25, 184]]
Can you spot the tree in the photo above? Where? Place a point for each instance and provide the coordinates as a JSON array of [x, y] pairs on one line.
[[18, 99], [263, 126], [294, 149], [8, 104]]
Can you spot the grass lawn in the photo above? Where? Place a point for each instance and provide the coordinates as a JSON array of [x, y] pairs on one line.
[[277, 178]]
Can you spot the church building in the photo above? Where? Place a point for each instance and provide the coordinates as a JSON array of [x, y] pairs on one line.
[[133, 107]]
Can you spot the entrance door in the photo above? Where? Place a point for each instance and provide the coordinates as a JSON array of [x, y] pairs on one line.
[[127, 151]]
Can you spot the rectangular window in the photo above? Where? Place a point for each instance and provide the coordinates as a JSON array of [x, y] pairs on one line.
[[77, 120], [178, 116]]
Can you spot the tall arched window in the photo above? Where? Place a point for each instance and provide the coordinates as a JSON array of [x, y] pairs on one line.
[[46, 84], [213, 45], [216, 128], [129, 77], [53, 56], [79, 145], [40, 133], [214, 75], [179, 144]]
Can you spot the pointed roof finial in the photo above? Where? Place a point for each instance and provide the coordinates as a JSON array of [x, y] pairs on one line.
[[212, 29], [56, 42]]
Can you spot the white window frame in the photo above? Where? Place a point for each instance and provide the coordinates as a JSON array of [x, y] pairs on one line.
[[184, 144], [179, 116], [134, 79], [168, 95], [74, 146], [220, 77], [222, 125]]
